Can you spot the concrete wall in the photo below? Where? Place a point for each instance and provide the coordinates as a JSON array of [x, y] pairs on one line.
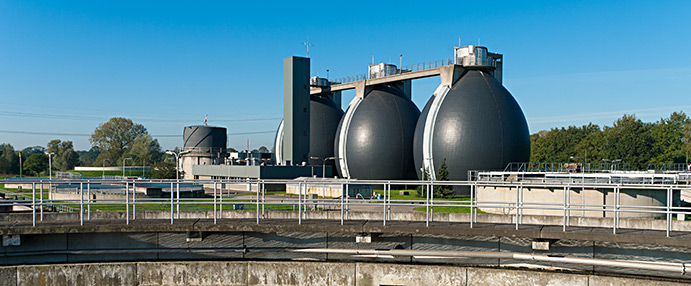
[[296, 273], [533, 197], [228, 213]]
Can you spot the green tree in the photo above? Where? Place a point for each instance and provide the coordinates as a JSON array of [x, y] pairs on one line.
[[145, 149], [88, 158], [559, 144], [28, 151], [443, 191], [163, 170], [64, 158], [669, 140], [36, 164], [115, 138], [631, 140], [9, 160]]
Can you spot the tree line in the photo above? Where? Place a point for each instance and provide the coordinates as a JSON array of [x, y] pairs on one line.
[[629, 139], [112, 142]]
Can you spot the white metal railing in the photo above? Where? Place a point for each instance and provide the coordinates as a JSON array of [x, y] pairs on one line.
[[408, 68], [220, 199]]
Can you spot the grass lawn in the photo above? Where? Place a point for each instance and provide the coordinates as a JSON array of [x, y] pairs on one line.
[[413, 195]]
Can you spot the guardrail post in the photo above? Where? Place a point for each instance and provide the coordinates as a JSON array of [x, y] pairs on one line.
[[518, 200], [347, 198], [343, 194], [171, 203], [472, 204], [427, 205], [384, 214], [81, 203], [215, 216], [134, 200], [257, 201], [669, 214], [564, 207], [615, 209], [299, 203], [41, 200], [127, 202], [568, 206], [33, 203], [177, 191], [520, 215], [220, 207], [431, 196], [263, 198], [88, 200]]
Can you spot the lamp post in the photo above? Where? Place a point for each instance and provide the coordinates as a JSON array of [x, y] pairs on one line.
[[177, 161], [20, 164], [103, 169], [123, 166], [50, 174], [323, 163]]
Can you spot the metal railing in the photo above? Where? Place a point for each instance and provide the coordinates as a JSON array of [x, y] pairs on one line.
[[560, 167], [612, 177], [220, 199], [670, 167], [408, 68]]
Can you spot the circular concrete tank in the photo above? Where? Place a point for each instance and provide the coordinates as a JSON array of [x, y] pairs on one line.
[[204, 145], [375, 137], [324, 117], [475, 125], [202, 137]]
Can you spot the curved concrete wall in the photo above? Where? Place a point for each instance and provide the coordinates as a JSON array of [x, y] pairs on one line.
[[537, 197], [296, 273]]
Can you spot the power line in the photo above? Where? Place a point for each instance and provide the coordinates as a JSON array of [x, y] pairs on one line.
[[82, 117], [87, 135]]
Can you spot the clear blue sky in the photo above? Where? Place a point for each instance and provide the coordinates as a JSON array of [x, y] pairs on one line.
[[67, 66]]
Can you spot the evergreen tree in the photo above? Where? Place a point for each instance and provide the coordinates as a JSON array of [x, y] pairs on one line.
[[443, 191]]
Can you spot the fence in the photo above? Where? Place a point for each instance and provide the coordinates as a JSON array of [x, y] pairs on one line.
[[220, 199]]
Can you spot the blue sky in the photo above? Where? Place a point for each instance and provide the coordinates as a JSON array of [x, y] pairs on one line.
[[67, 66]]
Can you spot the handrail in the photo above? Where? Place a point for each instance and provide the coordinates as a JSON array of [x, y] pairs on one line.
[[85, 198]]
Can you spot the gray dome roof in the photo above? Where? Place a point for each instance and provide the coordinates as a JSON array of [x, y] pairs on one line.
[[478, 125], [375, 141]]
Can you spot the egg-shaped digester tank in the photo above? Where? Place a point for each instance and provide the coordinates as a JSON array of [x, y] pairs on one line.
[[476, 124], [375, 137], [324, 117]]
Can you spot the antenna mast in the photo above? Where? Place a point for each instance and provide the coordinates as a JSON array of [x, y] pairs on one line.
[[307, 45]]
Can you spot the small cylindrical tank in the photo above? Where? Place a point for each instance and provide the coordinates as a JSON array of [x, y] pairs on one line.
[[204, 145]]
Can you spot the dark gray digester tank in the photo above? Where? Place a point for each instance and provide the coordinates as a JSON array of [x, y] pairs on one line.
[[202, 138], [375, 137], [475, 125], [324, 117]]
